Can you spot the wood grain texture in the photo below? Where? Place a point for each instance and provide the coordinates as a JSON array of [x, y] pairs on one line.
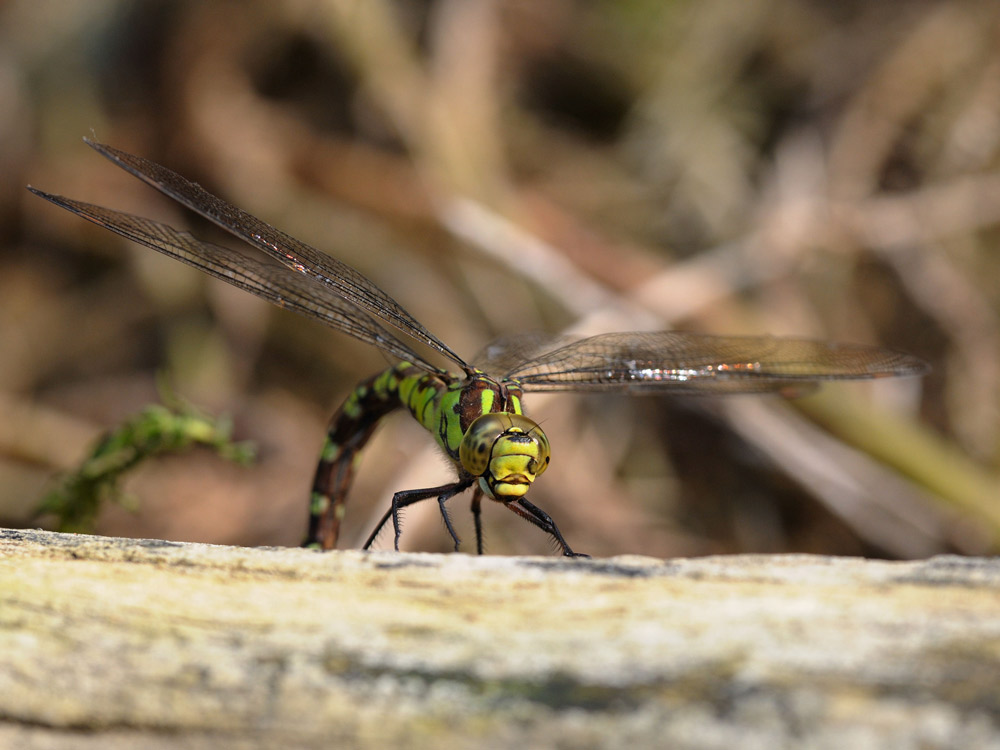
[[117, 643]]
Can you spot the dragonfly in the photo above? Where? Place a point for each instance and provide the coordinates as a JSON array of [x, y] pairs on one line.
[[474, 414]]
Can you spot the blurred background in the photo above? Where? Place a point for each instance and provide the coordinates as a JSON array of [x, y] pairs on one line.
[[795, 167]]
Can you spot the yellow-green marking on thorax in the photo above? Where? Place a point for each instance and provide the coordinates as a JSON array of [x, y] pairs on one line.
[[445, 405]]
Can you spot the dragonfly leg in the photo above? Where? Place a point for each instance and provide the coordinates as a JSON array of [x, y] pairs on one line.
[[442, 499], [535, 515], [406, 498], [477, 517]]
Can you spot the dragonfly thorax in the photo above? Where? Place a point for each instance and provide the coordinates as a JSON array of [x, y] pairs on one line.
[[506, 451]]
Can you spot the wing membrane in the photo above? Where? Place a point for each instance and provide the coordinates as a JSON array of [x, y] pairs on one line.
[[670, 361], [266, 279], [323, 269], [510, 352]]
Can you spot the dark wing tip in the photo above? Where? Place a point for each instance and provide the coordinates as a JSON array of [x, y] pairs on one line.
[[51, 197], [108, 152], [913, 366], [893, 363]]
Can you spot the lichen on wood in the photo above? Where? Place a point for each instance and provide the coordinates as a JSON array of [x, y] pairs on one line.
[[137, 643]]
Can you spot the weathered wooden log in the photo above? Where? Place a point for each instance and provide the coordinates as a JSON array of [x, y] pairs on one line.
[[116, 643]]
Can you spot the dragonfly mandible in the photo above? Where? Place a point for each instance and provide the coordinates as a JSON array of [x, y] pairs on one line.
[[475, 415]]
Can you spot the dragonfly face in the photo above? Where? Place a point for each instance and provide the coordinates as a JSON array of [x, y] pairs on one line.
[[476, 416], [506, 452]]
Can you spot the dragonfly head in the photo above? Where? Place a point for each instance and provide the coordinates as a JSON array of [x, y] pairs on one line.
[[506, 451]]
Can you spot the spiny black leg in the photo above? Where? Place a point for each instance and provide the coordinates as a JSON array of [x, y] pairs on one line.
[[398, 502], [447, 519], [445, 497], [407, 498], [477, 517], [541, 519]]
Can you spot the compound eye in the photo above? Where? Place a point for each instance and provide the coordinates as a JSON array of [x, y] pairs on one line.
[[477, 445], [542, 462]]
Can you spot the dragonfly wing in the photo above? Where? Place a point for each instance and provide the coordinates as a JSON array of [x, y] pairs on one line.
[[290, 252], [670, 361], [268, 280], [509, 353]]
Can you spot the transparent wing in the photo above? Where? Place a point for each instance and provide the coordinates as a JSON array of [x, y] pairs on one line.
[[509, 352], [669, 361], [262, 277], [288, 251]]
